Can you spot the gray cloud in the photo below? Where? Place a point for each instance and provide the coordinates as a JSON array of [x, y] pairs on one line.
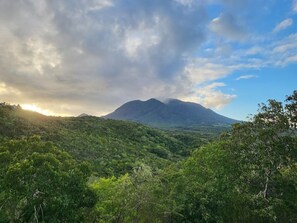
[[92, 55], [96, 54]]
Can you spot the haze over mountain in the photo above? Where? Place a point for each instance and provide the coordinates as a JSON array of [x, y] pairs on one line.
[[172, 113], [83, 115]]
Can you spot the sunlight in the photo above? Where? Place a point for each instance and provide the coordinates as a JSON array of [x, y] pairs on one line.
[[35, 108]]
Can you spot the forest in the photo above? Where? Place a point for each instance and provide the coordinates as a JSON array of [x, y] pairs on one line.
[[88, 169]]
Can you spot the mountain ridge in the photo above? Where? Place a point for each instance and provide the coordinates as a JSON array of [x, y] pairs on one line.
[[172, 113]]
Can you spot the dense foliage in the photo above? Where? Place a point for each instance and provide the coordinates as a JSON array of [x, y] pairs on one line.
[[112, 147], [38, 182], [247, 175]]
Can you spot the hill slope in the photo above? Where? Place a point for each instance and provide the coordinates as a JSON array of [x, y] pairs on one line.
[[174, 113], [112, 147]]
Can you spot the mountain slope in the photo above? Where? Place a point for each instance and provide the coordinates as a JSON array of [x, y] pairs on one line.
[[112, 147], [174, 113]]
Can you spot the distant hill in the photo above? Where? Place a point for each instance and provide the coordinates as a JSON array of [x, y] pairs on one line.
[[112, 147], [82, 115], [173, 113]]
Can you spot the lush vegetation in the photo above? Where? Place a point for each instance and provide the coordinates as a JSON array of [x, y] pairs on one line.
[[112, 147], [38, 181], [249, 174]]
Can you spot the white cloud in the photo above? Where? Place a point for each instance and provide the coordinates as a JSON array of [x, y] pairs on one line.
[[227, 26], [203, 69], [283, 25], [94, 54], [246, 77], [42, 55], [6, 91], [294, 6], [185, 2], [90, 56], [255, 50], [210, 97], [99, 4], [140, 39], [285, 47], [282, 52], [291, 59], [35, 108]]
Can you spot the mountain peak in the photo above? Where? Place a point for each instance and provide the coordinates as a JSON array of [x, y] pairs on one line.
[[153, 100], [169, 113], [169, 100], [83, 115]]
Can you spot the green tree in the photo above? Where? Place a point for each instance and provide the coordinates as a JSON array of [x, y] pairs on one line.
[[249, 175], [138, 197], [40, 183], [210, 176], [291, 109], [112, 195]]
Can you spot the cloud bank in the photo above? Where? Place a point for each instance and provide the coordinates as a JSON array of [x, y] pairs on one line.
[[70, 57], [96, 53]]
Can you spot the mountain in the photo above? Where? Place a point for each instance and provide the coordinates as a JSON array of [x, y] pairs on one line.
[[82, 115], [173, 113]]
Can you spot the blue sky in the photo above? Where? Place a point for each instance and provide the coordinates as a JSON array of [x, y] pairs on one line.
[[270, 33], [68, 57]]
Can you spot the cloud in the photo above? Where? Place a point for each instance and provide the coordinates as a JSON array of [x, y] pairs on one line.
[[294, 7], [185, 2], [210, 97], [35, 108], [91, 56], [292, 59], [246, 77], [6, 91], [283, 25], [227, 26], [99, 4], [283, 51], [94, 55], [255, 50], [201, 70]]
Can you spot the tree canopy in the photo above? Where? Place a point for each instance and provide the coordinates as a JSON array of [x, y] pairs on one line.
[[40, 183], [248, 174]]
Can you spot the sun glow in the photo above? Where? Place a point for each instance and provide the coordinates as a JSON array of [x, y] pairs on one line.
[[35, 108]]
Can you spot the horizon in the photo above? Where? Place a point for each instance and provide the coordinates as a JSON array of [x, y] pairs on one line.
[[34, 108], [64, 58]]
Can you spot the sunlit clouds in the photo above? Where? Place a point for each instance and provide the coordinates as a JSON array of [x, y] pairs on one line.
[[210, 96], [72, 57], [35, 108]]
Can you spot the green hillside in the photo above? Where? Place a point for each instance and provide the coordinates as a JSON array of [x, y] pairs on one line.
[[88, 169], [112, 147]]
